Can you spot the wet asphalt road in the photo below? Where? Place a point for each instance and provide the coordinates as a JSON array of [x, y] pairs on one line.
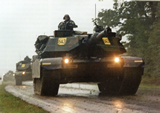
[[75, 98]]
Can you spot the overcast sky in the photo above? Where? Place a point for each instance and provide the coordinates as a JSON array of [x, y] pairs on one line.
[[21, 21]]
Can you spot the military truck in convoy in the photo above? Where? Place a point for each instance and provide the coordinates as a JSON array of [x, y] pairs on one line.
[[73, 56], [23, 71]]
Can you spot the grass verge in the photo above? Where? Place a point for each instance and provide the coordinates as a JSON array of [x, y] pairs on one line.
[[11, 104], [150, 83], [149, 86]]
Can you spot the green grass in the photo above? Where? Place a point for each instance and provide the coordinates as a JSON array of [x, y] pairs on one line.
[[151, 80], [149, 86], [11, 104]]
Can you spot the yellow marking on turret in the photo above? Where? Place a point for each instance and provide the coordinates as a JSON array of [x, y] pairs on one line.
[[62, 41], [106, 41], [23, 65]]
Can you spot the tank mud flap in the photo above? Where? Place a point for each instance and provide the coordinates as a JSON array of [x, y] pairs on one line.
[[131, 81], [47, 84], [126, 85], [36, 68]]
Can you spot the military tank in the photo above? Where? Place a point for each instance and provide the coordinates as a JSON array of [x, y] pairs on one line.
[[73, 56], [23, 71], [8, 77]]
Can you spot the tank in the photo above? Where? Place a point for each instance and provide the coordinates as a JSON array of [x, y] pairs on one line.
[[8, 77], [74, 56], [23, 71]]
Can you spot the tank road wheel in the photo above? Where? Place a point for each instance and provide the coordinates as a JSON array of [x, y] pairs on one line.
[[46, 85], [131, 81], [110, 87], [18, 80]]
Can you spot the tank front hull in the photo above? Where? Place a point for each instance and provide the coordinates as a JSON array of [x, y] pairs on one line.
[[24, 77], [90, 72], [100, 70], [84, 70]]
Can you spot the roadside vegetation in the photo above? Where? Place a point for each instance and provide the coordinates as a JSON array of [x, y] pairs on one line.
[[150, 81], [11, 104], [149, 86], [139, 21]]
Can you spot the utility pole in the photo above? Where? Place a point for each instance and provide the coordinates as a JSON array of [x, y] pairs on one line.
[[95, 11]]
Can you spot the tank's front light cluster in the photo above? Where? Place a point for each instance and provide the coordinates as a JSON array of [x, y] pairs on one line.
[[116, 59], [23, 72]]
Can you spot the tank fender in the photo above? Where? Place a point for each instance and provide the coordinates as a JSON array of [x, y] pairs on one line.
[[52, 63], [130, 61]]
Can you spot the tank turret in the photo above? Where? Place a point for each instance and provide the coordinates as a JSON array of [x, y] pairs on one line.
[[79, 44]]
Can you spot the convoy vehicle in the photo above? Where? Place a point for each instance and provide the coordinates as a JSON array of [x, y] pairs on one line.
[[74, 56], [23, 71], [9, 76]]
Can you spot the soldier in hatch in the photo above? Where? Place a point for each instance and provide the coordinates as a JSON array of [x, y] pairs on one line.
[[67, 24], [27, 59]]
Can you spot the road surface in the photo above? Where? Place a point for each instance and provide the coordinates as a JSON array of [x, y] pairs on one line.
[[75, 98]]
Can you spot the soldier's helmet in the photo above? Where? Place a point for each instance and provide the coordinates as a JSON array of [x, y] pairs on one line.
[[66, 15]]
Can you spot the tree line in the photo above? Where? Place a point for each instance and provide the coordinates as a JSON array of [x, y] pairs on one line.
[[139, 21]]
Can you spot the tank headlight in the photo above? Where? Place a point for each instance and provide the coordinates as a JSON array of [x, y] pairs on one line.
[[23, 72], [66, 60], [116, 60]]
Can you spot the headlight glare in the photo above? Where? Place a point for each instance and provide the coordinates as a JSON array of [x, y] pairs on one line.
[[66, 60], [23, 72], [116, 59]]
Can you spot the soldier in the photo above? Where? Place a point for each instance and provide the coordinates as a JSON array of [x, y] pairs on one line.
[[27, 59], [67, 24]]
